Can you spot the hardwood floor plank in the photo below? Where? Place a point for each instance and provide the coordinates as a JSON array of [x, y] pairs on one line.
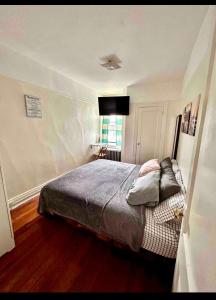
[[24, 213], [52, 255]]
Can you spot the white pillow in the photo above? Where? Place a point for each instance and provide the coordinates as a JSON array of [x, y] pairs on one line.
[[145, 190]]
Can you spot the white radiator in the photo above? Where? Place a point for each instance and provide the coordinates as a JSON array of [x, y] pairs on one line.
[[114, 155]]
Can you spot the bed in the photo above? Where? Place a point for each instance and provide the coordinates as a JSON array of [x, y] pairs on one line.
[[95, 196]]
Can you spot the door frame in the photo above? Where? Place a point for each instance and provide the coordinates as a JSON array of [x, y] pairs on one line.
[[161, 105], [10, 242]]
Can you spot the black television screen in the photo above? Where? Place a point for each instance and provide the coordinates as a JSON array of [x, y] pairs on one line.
[[116, 105]]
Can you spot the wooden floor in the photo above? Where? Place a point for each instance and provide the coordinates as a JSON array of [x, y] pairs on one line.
[[52, 255]]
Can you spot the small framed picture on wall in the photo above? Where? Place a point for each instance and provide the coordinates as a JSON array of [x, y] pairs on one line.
[[186, 118], [33, 106], [194, 116]]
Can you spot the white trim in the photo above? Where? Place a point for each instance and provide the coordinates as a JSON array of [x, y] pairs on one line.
[[6, 198], [184, 270], [123, 137], [8, 243], [26, 196], [189, 264]]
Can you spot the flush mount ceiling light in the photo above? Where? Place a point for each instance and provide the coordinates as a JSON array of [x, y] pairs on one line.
[[111, 62]]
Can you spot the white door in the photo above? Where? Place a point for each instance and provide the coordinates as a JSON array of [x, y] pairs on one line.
[[6, 231], [150, 133]]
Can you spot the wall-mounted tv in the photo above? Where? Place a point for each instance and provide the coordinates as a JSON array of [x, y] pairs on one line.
[[115, 105]]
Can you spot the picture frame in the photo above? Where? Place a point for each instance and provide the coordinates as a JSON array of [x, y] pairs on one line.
[[186, 118], [194, 116], [33, 106]]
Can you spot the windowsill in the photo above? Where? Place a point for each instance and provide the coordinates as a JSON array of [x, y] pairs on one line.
[[109, 146], [114, 148]]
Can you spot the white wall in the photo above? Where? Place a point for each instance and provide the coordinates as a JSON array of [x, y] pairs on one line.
[[175, 92], [174, 109], [165, 93], [202, 221], [157, 91], [198, 243], [194, 83], [20, 67], [35, 150], [201, 230]]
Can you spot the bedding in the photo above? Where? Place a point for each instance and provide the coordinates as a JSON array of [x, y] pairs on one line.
[[145, 190], [161, 239], [94, 195], [168, 183], [174, 165], [149, 166], [162, 229], [165, 210], [166, 163]]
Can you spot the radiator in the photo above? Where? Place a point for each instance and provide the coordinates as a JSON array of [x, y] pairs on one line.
[[114, 155]]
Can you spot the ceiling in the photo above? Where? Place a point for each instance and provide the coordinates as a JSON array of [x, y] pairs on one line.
[[151, 40]]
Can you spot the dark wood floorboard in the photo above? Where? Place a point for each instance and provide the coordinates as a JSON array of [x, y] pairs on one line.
[[52, 255]]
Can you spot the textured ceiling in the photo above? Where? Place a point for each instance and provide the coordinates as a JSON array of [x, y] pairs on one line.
[[151, 41]]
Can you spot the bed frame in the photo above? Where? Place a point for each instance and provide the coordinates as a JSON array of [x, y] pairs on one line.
[[143, 253]]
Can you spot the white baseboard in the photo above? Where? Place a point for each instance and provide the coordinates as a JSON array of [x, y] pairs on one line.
[[22, 198], [26, 196]]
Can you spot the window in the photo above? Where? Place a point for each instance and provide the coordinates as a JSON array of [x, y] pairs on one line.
[[111, 130]]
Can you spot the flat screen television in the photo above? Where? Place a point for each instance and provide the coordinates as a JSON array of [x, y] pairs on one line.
[[115, 105]]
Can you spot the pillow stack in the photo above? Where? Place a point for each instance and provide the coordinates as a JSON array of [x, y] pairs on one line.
[[156, 183], [164, 212]]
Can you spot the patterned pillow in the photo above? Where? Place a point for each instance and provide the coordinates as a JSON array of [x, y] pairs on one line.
[[164, 212], [149, 166]]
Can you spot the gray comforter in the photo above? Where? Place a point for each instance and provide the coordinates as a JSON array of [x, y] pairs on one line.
[[95, 196]]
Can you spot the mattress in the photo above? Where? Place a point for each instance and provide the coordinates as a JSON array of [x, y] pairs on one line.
[[94, 195]]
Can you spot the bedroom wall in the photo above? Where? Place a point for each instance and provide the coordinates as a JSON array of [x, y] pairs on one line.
[[194, 83], [174, 109], [34, 150], [175, 93], [198, 241], [167, 93], [202, 222]]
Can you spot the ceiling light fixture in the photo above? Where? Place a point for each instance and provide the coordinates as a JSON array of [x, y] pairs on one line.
[[111, 62]]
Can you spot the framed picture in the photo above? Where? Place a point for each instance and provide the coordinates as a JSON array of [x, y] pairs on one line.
[[33, 106], [186, 118], [194, 116]]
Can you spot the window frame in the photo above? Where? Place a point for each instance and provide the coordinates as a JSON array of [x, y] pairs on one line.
[[115, 125]]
